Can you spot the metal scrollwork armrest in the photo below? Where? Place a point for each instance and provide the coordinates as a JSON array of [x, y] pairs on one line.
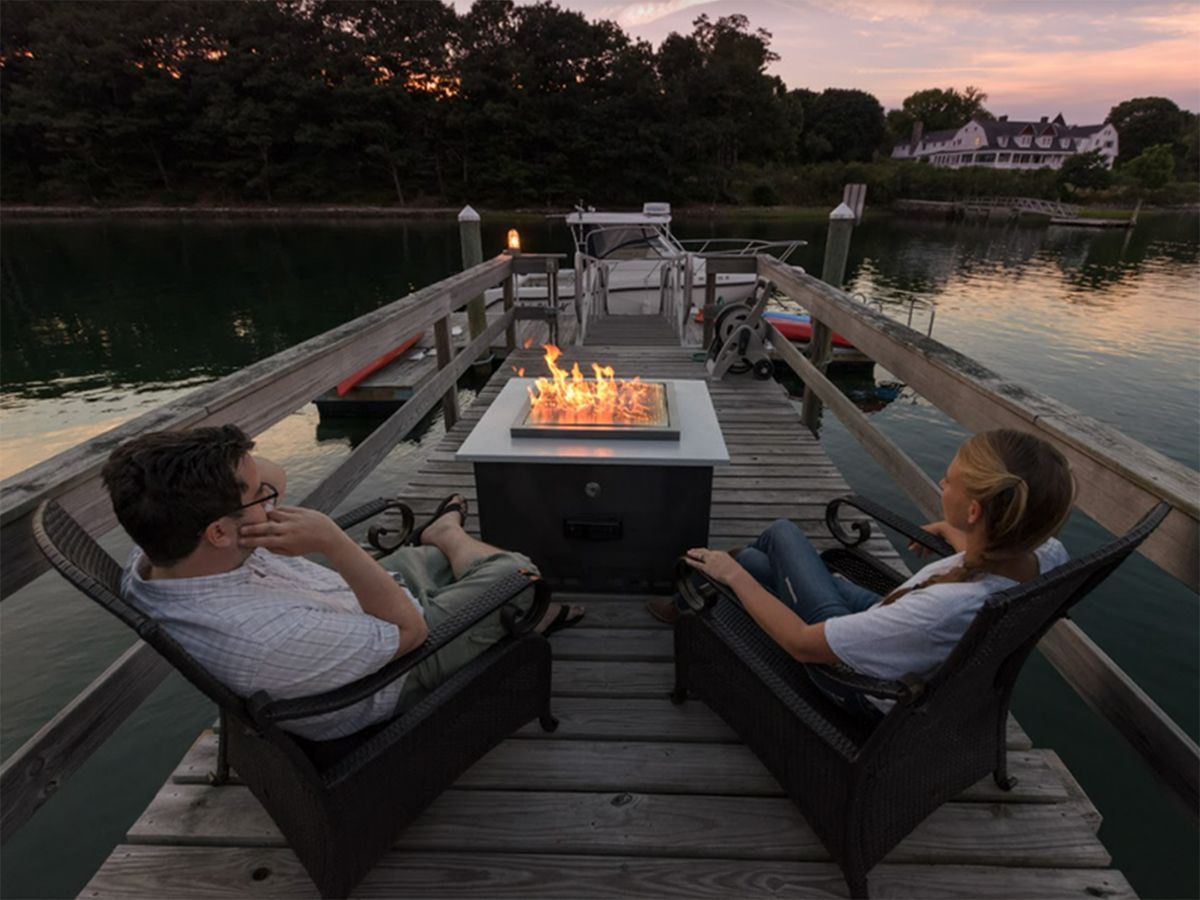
[[699, 592], [383, 538], [884, 516], [516, 622], [905, 690]]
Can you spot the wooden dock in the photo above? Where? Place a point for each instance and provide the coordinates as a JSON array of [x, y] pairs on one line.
[[632, 796]]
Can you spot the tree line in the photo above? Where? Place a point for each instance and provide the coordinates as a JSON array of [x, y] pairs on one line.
[[350, 101]]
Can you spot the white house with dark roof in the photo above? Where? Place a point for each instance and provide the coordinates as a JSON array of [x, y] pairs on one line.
[[1002, 144]]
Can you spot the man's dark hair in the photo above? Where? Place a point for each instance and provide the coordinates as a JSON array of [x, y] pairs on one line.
[[167, 486]]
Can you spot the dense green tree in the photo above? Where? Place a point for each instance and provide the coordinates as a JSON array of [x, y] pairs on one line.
[[1084, 171], [1188, 169], [412, 102], [1144, 122], [1153, 168], [937, 110], [847, 123]]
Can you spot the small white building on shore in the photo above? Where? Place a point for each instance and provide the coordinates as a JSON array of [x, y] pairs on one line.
[[1002, 144]]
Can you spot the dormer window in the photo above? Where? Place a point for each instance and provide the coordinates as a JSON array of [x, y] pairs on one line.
[[1064, 142], [1002, 141]]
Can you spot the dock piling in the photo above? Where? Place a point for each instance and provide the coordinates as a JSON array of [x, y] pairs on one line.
[[833, 272], [472, 255]]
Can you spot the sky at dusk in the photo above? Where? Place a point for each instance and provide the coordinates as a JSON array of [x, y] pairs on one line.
[[1031, 58]]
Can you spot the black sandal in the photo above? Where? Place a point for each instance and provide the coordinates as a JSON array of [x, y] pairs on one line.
[[448, 504], [563, 619]]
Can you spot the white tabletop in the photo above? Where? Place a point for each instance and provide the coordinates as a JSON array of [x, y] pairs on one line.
[[700, 441]]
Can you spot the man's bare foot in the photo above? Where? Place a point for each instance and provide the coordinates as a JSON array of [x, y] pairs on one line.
[[452, 518], [554, 619]]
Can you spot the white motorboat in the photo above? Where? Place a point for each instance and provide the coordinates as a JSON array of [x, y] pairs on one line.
[[630, 258]]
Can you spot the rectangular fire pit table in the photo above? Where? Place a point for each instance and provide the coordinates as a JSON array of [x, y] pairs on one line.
[[597, 506]]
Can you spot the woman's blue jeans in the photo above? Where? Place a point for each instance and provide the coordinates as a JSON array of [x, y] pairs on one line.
[[783, 561]]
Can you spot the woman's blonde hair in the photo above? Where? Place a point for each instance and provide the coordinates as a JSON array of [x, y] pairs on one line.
[[1025, 488]]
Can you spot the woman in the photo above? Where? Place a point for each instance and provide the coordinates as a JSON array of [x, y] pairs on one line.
[[1005, 495]]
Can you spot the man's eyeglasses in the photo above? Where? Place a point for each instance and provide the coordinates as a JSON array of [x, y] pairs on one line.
[[268, 498]]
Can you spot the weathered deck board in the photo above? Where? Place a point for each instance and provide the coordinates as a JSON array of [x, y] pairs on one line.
[[153, 872], [666, 768], [642, 824], [633, 796]]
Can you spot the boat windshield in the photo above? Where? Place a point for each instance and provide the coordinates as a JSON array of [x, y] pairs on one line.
[[627, 242]]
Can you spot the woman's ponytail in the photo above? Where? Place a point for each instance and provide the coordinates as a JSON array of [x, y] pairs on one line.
[[1025, 488]]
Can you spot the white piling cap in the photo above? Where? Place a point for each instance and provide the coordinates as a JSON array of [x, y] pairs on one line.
[[469, 215], [842, 212]]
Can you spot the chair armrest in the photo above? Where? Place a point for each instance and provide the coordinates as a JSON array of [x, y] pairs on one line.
[[495, 596], [904, 690], [700, 597], [383, 539], [884, 516]]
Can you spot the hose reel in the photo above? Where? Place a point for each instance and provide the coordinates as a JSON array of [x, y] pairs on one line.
[[740, 336]]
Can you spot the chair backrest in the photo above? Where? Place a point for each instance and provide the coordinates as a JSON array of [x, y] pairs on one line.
[[989, 656], [84, 563]]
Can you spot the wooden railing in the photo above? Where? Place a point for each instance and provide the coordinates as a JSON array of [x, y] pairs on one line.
[[254, 398], [1119, 480]]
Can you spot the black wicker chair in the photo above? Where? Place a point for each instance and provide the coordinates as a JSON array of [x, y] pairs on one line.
[[862, 786], [341, 804]]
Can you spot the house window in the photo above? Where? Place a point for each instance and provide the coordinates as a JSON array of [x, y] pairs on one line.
[[1108, 144], [1003, 157], [1003, 142]]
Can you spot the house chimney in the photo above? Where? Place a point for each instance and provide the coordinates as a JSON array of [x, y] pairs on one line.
[[1002, 119], [1045, 119]]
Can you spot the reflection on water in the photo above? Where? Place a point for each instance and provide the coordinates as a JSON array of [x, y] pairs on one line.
[[101, 321]]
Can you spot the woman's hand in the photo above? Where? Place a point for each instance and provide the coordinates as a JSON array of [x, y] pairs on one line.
[[293, 531], [946, 532], [716, 564]]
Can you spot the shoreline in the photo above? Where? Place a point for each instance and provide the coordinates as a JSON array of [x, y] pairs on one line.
[[30, 211]]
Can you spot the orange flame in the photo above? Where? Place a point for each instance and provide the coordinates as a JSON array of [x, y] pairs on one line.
[[569, 398]]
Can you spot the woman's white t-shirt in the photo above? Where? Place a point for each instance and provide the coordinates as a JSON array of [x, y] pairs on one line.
[[918, 631]]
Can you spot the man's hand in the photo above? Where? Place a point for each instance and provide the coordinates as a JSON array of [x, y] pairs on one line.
[[293, 531], [716, 564]]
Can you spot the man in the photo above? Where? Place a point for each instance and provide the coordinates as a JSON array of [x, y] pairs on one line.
[[219, 563]]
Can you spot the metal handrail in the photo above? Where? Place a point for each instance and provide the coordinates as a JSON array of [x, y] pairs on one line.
[[748, 246]]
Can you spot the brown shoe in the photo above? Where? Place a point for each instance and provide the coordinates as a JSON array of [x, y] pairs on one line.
[[663, 609]]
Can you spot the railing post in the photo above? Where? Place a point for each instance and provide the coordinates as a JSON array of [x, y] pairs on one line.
[[472, 255], [710, 305], [552, 297], [820, 345], [441, 341], [689, 287], [510, 333]]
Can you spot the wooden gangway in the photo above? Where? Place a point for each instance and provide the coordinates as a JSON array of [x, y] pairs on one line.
[[633, 796]]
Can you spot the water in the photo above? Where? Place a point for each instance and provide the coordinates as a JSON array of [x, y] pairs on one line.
[[103, 320]]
